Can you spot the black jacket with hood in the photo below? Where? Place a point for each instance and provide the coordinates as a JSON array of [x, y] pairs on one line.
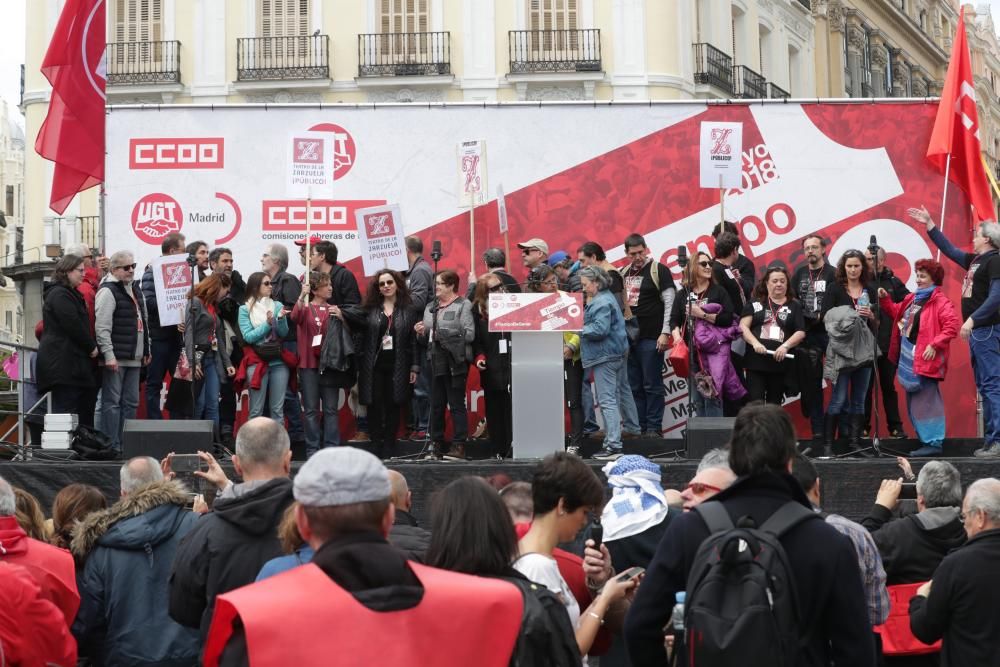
[[226, 549], [913, 547]]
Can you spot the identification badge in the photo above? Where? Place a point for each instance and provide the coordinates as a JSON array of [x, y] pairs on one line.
[[503, 346], [820, 286], [317, 340], [387, 342], [632, 285], [215, 345], [773, 332]]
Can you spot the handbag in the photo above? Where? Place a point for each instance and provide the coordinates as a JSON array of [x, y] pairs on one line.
[[679, 358], [704, 382], [182, 371], [268, 351]]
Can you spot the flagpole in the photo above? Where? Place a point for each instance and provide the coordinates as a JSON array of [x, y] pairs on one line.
[[944, 199]]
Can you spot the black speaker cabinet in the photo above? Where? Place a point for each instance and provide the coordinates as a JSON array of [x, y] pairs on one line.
[[158, 437], [705, 433]]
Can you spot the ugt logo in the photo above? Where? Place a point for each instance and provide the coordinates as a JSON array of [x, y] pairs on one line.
[[308, 151], [720, 141], [176, 276], [379, 224], [156, 215]]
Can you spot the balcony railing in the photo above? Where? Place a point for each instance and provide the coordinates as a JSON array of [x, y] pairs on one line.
[[776, 93], [713, 67], [137, 63], [280, 58], [534, 51], [748, 84], [404, 54], [68, 230]]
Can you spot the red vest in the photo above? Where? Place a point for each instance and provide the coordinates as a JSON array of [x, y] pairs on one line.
[[303, 618], [897, 639]]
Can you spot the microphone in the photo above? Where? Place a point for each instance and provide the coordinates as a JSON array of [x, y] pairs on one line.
[[872, 243], [436, 253], [682, 256]]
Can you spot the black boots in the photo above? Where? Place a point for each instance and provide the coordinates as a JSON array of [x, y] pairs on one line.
[[829, 424], [856, 425]]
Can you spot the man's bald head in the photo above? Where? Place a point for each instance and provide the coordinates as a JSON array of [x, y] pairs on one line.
[[401, 496]]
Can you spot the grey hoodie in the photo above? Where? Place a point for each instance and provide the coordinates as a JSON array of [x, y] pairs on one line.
[[852, 343]]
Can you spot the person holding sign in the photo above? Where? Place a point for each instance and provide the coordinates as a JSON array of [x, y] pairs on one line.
[[772, 325], [388, 363], [264, 323]]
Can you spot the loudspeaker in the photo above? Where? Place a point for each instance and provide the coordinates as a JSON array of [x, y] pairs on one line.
[[705, 433], [157, 437]]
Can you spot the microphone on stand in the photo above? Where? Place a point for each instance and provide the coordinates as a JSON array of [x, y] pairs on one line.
[[872, 244], [682, 256], [436, 253]]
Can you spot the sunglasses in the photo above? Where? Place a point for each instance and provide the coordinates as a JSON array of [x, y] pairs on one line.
[[266, 284], [698, 488], [386, 283], [127, 267], [705, 264], [528, 251], [496, 288]]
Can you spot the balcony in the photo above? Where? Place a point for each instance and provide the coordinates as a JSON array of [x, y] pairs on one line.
[[283, 58], [713, 67], [534, 51], [143, 63], [748, 84], [404, 54], [66, 230], [776, 93]]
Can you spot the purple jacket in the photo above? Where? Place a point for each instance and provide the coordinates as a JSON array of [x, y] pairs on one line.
[[713, 345]]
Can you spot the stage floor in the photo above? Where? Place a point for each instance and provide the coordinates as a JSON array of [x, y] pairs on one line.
[[848, 485]]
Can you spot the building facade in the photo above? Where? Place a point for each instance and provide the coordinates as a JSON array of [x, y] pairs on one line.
[[985, 52], [11, 218]]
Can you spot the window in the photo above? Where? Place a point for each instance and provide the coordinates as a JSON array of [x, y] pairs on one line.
[[888, 73], [866, 65], [282, 18], [9, 320], [848, 80], [137, 20], [552, 14], [9, 209], [404, 16], [794, 68], [764, 44]]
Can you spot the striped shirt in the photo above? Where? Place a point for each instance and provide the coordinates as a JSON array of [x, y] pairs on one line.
[[870, 563]]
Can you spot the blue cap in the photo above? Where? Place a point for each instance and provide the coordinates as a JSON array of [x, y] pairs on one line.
[[557, 257]]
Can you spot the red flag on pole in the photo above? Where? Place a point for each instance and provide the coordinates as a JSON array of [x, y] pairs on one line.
[[72, 135], [956, 129]]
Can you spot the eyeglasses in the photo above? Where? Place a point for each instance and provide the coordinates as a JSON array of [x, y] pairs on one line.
[[267, 284], [496, 288], [127, 267], [705, 264], [528, 251], [699, 488], [386, 283], [966, 515]]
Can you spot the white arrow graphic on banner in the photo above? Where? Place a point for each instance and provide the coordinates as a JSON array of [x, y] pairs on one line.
[[863, 178]]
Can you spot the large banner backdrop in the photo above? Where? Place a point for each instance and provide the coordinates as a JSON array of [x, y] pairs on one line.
[[571, 173]]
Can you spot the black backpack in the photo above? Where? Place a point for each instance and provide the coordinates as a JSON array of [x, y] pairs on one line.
[[546, 638], [742, 607]]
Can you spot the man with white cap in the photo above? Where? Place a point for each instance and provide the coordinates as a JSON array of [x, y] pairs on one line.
[[533, 253], [400, 612]]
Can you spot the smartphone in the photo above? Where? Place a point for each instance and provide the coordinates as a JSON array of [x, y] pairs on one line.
[[186, 463], [631, 573], [909, 491], [597, 533]]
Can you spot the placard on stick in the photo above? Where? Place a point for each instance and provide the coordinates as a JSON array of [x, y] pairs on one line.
[[380, 232]]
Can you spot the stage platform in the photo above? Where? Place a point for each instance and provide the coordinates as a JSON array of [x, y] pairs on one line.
[[848, 485]]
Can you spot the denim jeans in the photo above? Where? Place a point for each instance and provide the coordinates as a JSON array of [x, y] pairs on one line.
[[206, 405], [626, 404], [609, 376], [293, 409], [313, 394], [165, 353], [119, 400], [707, 407], [984, 344], [645, 376], [590, 424], [857, 381], [272, 390]]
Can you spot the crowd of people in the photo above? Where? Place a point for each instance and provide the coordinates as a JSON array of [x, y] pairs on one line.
[[405, 348], [554, 570]]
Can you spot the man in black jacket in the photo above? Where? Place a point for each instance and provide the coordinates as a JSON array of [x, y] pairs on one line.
[[823, 564], [228, 546], [406, 534], [896, 290], [959, 604], [913, 547], [164, 341]]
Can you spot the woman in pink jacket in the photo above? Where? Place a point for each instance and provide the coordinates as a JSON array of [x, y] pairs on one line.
[[924, 323]]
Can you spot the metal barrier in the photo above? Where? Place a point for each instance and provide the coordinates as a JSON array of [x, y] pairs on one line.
[[23, 372]]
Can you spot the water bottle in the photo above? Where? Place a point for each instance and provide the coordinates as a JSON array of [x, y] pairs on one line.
[[677, 618], [863, 301]]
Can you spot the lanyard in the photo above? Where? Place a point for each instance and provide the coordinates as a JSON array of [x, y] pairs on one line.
[[775, 311]]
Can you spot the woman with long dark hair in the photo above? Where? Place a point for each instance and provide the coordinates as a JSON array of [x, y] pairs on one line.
[[203, 334], [848, 314], [492, 350], [387, 362], [449, 331], [772, 324], [74, 503], [67, 350], [264, 324]]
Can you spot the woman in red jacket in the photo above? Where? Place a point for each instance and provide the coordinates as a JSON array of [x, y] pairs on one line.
[[924, 323]]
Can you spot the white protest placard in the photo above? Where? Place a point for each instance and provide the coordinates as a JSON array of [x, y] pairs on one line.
[[309, 167], [721, 155], [471, 173], [383, 245], [502, 209], [172, 282]]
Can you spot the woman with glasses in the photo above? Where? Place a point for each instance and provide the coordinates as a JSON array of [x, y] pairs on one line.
[[203, 333], [448, 330], [67, 351], [850, 314], [264, 323], [387, 360], [320, 390], [772, 324], [710, 333], [492, 352]]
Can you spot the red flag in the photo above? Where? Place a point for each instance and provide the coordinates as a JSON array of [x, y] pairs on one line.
[[72, 135], [956, 129]]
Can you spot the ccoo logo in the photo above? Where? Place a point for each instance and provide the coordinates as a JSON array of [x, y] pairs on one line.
[[344, 150], [154, 216]]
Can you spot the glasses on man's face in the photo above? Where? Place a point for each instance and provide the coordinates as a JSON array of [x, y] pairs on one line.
[[964, 516], [527, 251], [704, 264], [699, 488], [126, 267], [386, 283]]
